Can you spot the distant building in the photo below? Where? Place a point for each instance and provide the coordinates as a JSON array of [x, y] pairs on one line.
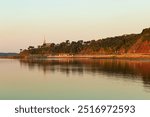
[[44, 44]]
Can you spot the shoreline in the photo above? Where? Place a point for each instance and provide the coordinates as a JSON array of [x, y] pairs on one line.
[[123, 56], [9, 57], [109, 56]]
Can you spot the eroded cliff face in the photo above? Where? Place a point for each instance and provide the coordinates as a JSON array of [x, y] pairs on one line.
[[142, 44]]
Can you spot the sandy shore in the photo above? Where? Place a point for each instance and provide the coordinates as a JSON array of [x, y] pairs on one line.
[[123, 56]]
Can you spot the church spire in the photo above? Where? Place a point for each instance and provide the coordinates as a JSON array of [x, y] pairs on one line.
[[44, 41]]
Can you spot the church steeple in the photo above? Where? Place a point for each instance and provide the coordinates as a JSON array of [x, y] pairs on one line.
[[44, 41], [45, 44]]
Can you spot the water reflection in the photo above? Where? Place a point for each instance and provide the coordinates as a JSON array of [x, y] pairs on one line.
[[127, 69]]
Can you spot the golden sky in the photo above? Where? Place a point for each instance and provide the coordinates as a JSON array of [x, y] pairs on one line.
[[26, 22]]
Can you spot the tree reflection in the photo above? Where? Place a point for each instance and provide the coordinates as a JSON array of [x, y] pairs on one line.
[[131, 69]]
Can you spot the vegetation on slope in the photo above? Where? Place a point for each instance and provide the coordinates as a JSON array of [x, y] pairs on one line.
[[112, 45]]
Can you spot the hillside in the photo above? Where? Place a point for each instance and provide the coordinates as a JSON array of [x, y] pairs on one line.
[[125, 44], [142, 45]]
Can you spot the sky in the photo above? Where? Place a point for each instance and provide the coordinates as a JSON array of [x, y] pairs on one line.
[[24, 23]]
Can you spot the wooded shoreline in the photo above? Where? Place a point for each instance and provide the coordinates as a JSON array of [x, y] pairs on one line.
[[125, 46]]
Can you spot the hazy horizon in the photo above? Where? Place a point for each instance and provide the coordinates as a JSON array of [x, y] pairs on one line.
[[25, 23]]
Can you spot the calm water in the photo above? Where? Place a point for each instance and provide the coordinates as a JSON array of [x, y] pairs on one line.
[[74, 79]]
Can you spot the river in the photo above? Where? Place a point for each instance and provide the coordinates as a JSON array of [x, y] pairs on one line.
[[74, 79]]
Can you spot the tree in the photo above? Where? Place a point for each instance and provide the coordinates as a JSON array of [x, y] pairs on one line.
[[30, 47]]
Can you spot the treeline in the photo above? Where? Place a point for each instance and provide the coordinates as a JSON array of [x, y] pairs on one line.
[[102, 46]]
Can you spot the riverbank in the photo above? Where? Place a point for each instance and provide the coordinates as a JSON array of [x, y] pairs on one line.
[[110, 56], [113, 56]]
